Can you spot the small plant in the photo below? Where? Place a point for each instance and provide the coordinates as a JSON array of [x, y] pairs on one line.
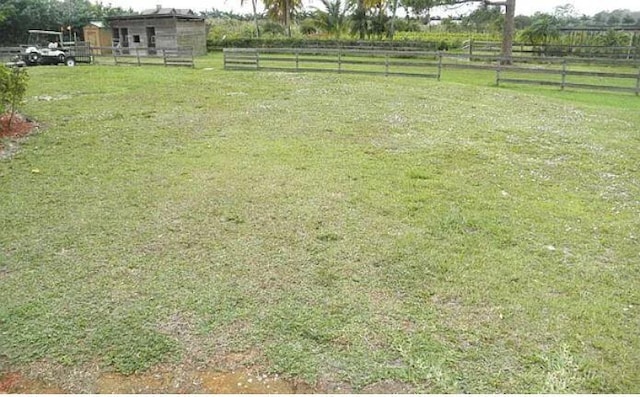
[[13, 86]]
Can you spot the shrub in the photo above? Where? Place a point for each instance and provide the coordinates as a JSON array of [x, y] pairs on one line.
[[13, 86], [272, 28]]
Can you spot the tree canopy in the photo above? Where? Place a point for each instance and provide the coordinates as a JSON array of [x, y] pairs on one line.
[[18, 16]]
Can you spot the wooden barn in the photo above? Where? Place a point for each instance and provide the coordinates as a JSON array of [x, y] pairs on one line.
[[98, 36], [159, 28]]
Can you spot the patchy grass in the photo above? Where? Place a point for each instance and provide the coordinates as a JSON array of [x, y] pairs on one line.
[[441, 236]]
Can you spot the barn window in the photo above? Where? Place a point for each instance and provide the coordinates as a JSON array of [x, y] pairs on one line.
[[136, 38]]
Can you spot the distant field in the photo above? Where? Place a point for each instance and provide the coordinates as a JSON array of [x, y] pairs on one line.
[[440, 237]]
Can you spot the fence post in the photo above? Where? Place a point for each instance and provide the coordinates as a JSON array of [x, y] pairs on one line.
[[440, 64], [297, 61], [339, 60], [114, 50], [564, 74], [138, 55], [498, 70], [386, 64], [470, 49], [638, 83], [164, 57], [257, 59]]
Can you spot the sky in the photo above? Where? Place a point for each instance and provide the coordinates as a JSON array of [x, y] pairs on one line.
[[526, 7]]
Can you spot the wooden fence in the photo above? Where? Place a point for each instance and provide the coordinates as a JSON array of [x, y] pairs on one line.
[[554, 50], [388, 63], [561, 72], [143, 56], [572, 73], [8, 53]]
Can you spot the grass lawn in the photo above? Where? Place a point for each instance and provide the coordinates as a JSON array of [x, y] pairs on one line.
[[338, 229]]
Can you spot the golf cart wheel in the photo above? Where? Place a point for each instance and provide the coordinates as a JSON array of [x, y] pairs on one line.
[[70, 62], [33, 57]]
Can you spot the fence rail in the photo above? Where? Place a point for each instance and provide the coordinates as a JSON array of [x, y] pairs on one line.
[[142, 56], [586, 79], [388, 63], [556, 50], [8, 53], [564, 73]]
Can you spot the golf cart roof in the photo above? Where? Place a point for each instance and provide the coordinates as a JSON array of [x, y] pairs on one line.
[[45, 32]]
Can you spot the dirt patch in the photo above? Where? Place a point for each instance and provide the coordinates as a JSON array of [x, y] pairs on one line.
[[165, 381], [178, 380], [43, 377], [11, 134], [196, 382], [14, 382]]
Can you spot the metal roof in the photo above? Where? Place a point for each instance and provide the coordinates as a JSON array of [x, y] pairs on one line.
[[44, 31], [168, 11], [160, 13], [97, 24]]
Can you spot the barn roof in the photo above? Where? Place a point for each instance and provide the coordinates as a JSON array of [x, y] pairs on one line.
[[168, 11], [179, 13], [98, 24]]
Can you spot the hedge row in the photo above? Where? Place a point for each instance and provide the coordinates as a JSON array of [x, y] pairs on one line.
[[294, 42]]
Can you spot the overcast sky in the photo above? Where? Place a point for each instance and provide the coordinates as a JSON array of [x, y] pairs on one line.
[[526, 7]]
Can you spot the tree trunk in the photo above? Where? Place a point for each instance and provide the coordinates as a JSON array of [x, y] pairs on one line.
[[255, 16], [509, 31], [361, 12], [287, 16], [392, 27]]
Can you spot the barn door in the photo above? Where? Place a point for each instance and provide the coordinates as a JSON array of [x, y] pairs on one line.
[[151, 40], [124, 40]]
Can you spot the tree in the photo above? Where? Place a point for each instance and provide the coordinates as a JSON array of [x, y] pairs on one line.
[[600, 18], [522, 21], [613, 20], [333, 19], [628, 20], [282, 11], [613, 39], [483, 19], [13, 86], [360, 23], [542, 30], [509, 30], [394, 11], [419, 8], [18, 16], [509, 20], [566, 13], [254, 5]]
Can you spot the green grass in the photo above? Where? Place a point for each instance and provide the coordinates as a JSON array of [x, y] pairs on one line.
[[451, 235]]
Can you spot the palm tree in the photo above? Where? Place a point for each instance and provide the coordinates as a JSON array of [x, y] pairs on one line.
[[392, 26], [334, 19], [282, 11], [254, 4], [359, 19], [543, 29]]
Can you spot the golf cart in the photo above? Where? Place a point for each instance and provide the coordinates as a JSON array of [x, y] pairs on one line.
[[47, 48]]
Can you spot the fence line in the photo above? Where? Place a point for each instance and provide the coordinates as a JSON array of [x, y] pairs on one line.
[[138, 56], [388, 63], [570, 71], [143, 56], [556, 50], [8, 53]]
